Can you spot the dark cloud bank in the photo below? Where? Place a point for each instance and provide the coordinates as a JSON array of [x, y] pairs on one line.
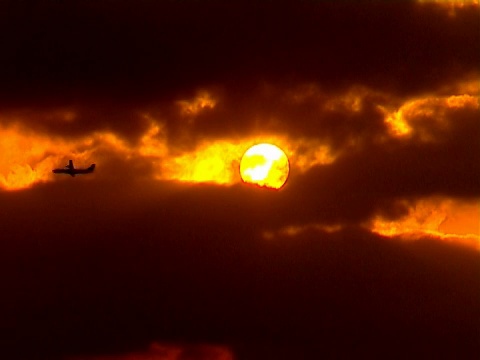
[[91, 271], [108, 265], [108, 60]]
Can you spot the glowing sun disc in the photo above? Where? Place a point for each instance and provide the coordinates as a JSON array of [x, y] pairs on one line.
[[265, 165]]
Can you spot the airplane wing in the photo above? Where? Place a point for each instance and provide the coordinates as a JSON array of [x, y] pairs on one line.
[[88, 170], [63, 171]]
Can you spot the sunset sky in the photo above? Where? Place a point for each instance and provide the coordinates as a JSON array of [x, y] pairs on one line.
[[371, 248]]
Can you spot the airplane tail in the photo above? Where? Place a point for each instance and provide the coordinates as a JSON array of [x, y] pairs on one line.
[[91, 167]]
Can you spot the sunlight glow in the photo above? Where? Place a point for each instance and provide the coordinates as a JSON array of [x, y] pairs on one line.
[[218, 161], [265, 165], [213, 162]]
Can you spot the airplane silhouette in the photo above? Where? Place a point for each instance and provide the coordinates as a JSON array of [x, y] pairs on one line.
[[70, 170]]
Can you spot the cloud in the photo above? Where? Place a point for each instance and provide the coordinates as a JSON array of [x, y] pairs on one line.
[[199, 147], [151, 50], [446, 219], [158, 351], [348, 172], [130, 265]]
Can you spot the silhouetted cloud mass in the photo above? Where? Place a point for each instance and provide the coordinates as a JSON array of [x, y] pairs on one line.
[[369, 250]]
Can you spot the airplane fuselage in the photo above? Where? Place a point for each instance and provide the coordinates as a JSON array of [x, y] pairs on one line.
[[70, 170]]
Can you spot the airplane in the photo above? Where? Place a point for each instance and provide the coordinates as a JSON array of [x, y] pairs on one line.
[[70, 170]]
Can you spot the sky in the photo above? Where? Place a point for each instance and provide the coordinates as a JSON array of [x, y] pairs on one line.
[[371, 248]]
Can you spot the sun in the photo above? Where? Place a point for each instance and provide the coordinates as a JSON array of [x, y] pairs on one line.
[[265, 165]]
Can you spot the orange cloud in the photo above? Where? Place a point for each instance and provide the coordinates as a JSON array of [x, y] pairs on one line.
[[28, 157], [295, 230], [446, 219], [353, 99], [159, 351], [192, 107], [455, 3], [452, 5], [403, 118], [451, 220], [405, 121], [215, 162]]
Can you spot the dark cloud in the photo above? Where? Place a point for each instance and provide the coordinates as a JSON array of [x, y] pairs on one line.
[[110, 63], [300, 112], [92, 270], [61, 52], [400, 169], [79, 120]]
